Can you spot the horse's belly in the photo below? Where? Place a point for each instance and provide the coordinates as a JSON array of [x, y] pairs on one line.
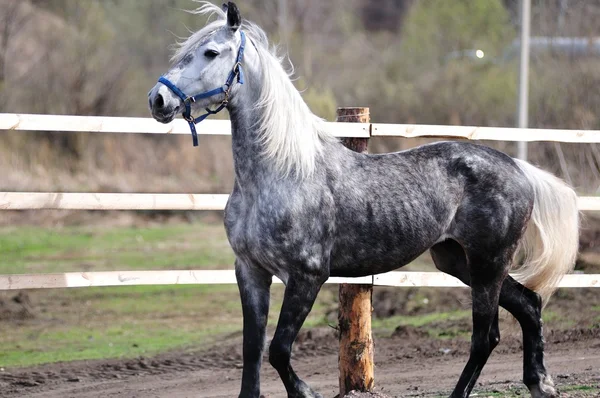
[[362, 263], [356, 253]]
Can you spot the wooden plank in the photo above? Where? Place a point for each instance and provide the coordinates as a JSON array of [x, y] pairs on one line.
[[483, 133], [146, 201], [439, 279], [416, 279], [110, 201], [105, 124], [589, 203], [114, 278], [210, 277]]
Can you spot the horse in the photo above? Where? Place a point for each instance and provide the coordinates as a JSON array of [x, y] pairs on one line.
[[304, 207]]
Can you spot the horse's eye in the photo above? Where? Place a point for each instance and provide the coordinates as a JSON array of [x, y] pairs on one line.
[[211, 54]]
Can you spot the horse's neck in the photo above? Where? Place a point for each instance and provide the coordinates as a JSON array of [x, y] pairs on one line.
[[252, 167], [249, 166]]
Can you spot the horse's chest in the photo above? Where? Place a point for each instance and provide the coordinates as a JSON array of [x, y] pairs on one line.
[[254, 237], [238, 227], [276, 239]]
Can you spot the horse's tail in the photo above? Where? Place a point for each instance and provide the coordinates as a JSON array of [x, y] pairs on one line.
[[551, 242]]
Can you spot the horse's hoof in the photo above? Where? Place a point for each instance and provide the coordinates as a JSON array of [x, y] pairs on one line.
[[304, 391], [545, 389]]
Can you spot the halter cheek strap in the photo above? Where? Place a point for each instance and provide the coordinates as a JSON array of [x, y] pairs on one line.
[[236, 73]]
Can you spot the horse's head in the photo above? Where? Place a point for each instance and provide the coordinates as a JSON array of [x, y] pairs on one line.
[[204, 64]]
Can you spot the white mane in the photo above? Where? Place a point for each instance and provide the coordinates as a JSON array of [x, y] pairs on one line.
[[290, 134]]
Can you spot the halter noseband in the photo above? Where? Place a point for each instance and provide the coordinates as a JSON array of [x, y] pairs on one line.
[[236, 72]]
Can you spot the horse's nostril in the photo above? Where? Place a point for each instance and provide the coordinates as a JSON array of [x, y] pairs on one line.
[[159, 102]]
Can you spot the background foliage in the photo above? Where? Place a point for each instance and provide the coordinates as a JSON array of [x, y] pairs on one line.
[[405, 59]]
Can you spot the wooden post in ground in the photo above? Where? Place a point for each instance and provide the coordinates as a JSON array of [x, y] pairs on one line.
[[356, 340]]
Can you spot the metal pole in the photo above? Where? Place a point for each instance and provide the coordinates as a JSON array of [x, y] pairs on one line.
[[523, 109], [282, 21]]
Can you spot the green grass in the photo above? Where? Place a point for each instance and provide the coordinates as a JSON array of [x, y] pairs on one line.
[[429, 322], [96, 323], [589, 391], [36, 250], [91, 323], [121, 340], [121, 322], [582, 388]]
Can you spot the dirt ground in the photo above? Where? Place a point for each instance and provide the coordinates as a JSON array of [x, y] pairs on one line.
[[408, 364]]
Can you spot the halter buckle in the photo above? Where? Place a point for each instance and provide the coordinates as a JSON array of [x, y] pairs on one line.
[[188, 118], [226, 99]]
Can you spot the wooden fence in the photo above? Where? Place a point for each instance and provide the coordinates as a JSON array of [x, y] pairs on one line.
[[114, 201]]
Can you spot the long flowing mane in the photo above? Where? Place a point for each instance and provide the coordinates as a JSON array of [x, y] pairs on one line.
[[290, 134]]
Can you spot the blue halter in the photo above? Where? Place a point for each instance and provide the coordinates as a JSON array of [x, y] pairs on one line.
[[236, 72]]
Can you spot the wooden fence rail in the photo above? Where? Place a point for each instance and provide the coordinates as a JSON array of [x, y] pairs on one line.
[[145, 201], [225, 277], [112, 201], [97, 124], [134, 125]]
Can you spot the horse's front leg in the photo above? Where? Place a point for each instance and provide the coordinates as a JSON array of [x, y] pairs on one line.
[[300, 294], [254, 284]]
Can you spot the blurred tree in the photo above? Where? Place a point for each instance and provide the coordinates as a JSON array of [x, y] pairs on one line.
[[99, 57], [13, 18], [384, 15], [436, 28]]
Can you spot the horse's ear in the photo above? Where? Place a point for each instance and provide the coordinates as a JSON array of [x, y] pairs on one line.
[[234, 19]]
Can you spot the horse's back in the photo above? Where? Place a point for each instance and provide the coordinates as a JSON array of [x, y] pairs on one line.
[[396, 206]]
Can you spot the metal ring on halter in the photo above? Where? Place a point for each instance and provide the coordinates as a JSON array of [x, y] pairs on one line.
[[189, 118], [227, 92]]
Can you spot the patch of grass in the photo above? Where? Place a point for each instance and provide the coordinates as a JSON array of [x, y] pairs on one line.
[[427, 322], [122, 322], [39, 250], [589, 391], [111, 322], [581, 388], [120, 340], [557, 320]]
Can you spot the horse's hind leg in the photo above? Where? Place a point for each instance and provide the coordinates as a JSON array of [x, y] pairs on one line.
[[449, 257], [526, 306], [254, 284], [486, 278], [299, 297]]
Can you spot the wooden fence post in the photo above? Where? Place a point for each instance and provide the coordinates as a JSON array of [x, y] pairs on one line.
[[356, 340]]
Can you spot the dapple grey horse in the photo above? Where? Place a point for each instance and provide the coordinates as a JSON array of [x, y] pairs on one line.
[[304, 208]]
